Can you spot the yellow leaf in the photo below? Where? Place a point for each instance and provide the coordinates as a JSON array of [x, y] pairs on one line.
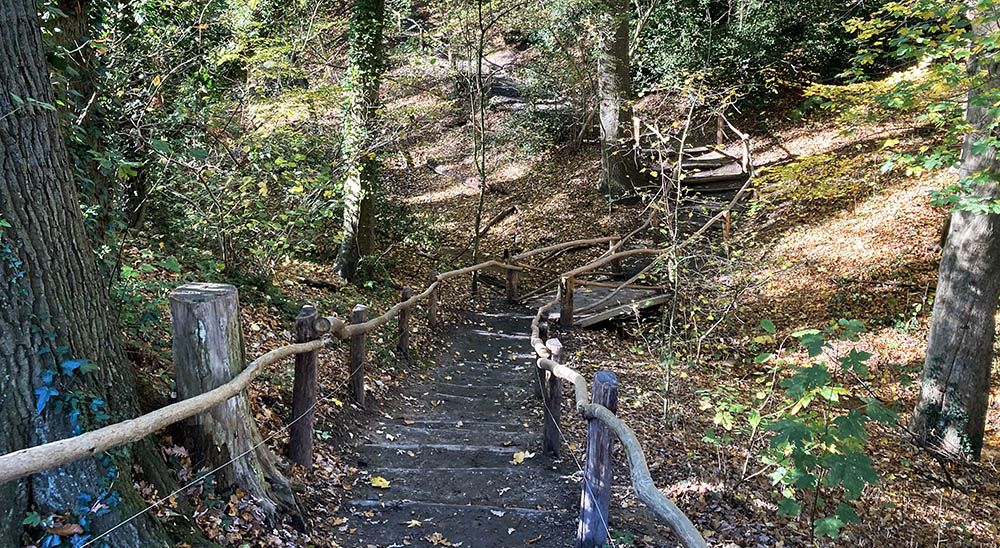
[[156, 80], [520, 456], [414, 523], [380, 482]]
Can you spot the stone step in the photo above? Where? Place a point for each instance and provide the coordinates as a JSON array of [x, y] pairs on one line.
[[474, 526]]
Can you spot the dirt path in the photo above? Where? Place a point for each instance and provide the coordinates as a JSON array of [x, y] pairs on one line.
[[447, 454]]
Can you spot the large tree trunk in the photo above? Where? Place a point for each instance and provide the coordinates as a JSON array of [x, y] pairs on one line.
[[954, 393], [614, 81], [361, 84], [53, 308]]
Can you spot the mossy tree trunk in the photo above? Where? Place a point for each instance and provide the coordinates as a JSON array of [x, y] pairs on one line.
[[954, 395], [54, 310], [361, 87], [614, 82]]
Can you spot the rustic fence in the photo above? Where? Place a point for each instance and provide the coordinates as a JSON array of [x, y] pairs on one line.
[[224, 381]]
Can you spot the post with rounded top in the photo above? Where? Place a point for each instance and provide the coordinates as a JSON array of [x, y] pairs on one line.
[[566, 304], [300, 441], [432, 301], [592, 531], [553, 402], [357, 365], [404, 325], [539, 376]]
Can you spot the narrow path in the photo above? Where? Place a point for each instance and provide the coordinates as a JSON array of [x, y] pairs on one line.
[[447, 454]]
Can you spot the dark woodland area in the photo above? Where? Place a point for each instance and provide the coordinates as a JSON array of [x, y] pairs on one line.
[[498, 273]]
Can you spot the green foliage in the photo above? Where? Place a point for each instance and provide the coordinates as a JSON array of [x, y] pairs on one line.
[[944, 42], [760, 46], [819, 434]]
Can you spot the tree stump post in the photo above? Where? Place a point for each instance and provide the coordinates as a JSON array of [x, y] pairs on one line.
[[208, 352], [553, 402], [597, 475], [538, 377], [404, 325], [300, 440], [357, 366], [432, 301], [654, 228], [566, 304]]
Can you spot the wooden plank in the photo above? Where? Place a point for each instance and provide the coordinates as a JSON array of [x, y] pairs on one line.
[[606, 315]]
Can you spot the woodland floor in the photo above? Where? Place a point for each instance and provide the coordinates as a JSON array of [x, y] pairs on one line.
[[834, 238]]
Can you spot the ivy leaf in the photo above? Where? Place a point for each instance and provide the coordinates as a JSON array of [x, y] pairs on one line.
[[829, 527], [44, 394], [33, 519], [70, 366], [767, 325]]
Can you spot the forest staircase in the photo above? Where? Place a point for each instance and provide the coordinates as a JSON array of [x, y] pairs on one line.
[[448, 455]]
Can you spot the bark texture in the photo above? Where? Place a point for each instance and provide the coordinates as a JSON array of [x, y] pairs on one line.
[[208, 352], [52, 303], [954, 396], [614, 81], [361, 83]]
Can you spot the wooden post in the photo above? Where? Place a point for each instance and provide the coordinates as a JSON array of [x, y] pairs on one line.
[[616, 265], [512, 279], [404, 325], [566, 306], [432, 301], [512, 276], [539, 375], [726, 225], [596, 497], [300, 439], [208, 352], [357, 364], [553, 402], [720, 134]]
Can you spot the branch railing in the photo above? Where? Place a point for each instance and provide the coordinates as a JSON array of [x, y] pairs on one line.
[[602, 422], [314, 332], [32, 460]]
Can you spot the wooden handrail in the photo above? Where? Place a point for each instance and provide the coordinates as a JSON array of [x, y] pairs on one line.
[[32, 460], [642, 481], [565, 245]]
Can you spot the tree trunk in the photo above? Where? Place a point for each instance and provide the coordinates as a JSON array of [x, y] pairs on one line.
[[361, 84], [954, 392], [53, 309], [208, 352], [619, 171]]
